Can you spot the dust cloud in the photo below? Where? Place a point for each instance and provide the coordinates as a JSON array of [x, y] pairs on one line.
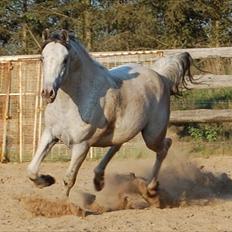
[[182, 183]]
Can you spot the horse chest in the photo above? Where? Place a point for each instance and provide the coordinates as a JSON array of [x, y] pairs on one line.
[[66, 124]]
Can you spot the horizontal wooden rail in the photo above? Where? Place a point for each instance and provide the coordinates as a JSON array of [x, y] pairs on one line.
[[200, 115], [18, 94], [196, 53]]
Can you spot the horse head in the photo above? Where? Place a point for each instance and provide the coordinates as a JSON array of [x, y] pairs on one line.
[[55, 62]]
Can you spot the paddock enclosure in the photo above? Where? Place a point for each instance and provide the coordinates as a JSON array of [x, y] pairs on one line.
[[21, 107]]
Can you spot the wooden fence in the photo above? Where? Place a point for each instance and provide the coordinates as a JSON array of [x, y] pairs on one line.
[[21, 107]]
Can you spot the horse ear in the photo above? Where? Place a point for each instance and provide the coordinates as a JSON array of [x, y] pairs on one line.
[[64, 36], [45, 34]]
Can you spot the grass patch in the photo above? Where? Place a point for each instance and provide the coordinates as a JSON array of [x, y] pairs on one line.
[[204, 149], [203, 99], [128, 151]]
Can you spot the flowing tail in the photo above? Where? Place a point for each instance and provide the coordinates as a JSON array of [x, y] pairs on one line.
[[176, 69]]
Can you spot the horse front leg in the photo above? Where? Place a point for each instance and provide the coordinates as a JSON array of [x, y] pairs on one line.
[[47, 141], [100, 169], [79, 152]]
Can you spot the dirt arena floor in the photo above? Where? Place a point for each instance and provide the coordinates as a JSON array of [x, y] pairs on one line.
[[194, 195]]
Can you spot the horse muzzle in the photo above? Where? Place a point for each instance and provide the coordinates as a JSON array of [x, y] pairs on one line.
[[49, 95]]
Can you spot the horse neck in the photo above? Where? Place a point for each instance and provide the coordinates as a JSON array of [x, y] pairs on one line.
[[86, 85], [86, 79]]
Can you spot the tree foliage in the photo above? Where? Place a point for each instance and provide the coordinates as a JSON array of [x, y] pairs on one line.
[[117, 24]]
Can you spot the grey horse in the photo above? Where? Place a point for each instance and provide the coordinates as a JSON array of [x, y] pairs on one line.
[[91, 106]]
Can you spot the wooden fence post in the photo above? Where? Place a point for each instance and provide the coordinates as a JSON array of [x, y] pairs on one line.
[[38, 66], [6, 114], [20, 114], [40, 106]]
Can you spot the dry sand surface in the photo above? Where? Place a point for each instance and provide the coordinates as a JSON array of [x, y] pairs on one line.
[[194, 195]]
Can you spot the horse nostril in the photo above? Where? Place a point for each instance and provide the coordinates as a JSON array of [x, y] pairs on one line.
[[43, 93], [52, 93]]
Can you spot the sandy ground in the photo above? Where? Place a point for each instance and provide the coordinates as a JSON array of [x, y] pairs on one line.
[[202, 193]]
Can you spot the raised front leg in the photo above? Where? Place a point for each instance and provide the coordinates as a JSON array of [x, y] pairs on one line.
[[100, 169], [79, 152], [47, 141]]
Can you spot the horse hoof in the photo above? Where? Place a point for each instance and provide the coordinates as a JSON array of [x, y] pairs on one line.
[[44, 181], [98, 183], [152, 190]]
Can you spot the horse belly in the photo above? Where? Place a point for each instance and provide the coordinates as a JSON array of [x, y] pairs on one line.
[[120, 133]]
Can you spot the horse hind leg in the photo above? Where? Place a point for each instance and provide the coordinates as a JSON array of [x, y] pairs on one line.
[[160, 156], [100, 169], [161, 147]]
